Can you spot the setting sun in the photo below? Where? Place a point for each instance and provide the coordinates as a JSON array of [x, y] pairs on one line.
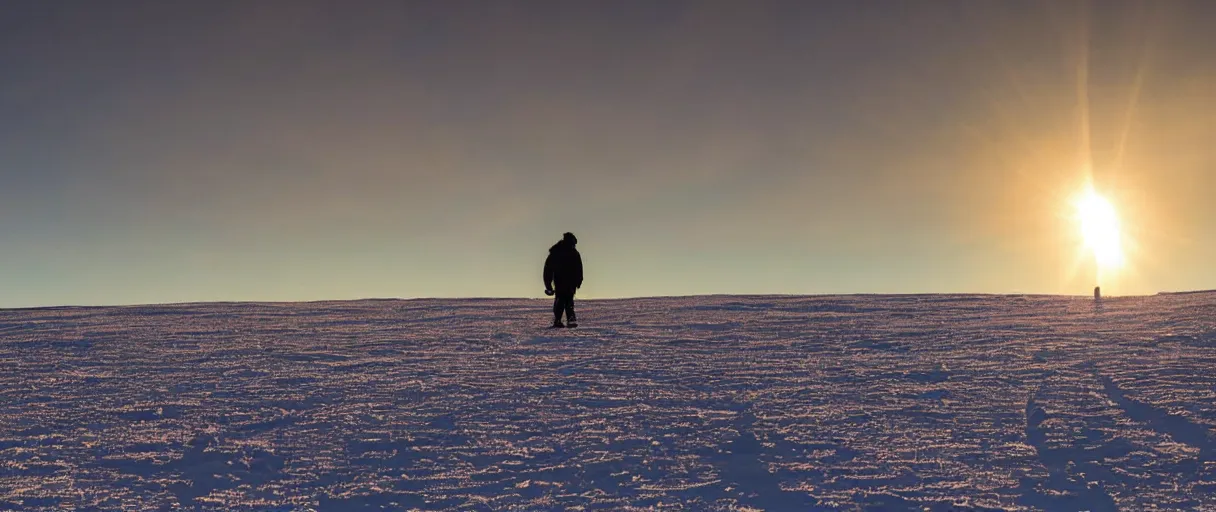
[[1100, 229]]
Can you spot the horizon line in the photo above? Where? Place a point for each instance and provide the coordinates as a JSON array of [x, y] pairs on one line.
[[597, 299]]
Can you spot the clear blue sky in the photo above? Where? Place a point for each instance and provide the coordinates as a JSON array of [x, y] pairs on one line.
[[158, 151]]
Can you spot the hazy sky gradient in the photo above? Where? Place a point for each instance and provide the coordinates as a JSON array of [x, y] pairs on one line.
[[166, 151]]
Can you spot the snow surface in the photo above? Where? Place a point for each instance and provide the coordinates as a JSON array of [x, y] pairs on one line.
[[703, 403]]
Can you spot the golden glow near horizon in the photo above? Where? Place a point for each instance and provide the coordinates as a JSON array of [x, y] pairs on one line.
[[1099, 224]]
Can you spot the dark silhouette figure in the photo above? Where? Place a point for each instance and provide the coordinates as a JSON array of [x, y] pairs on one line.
[[563, 276]]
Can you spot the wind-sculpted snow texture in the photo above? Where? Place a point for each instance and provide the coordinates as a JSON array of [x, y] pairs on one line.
[[704, 403]]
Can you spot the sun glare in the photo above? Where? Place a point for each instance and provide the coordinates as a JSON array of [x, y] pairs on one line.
[[1100, 230]]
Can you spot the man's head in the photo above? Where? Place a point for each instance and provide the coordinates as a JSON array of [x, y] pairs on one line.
[[569, 238]]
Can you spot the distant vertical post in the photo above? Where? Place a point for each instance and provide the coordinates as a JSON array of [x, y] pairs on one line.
[[1097, 293]]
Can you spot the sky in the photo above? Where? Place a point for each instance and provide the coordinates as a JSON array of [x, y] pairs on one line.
[[179, 151]]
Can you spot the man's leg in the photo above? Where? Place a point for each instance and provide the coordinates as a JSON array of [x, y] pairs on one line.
[[569, 307], [558, 306]]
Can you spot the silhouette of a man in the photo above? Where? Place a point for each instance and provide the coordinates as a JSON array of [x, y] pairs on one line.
[[563, 275]]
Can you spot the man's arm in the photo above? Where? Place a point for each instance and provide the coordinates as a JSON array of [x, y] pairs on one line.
[[548, 274], [578, 270]]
